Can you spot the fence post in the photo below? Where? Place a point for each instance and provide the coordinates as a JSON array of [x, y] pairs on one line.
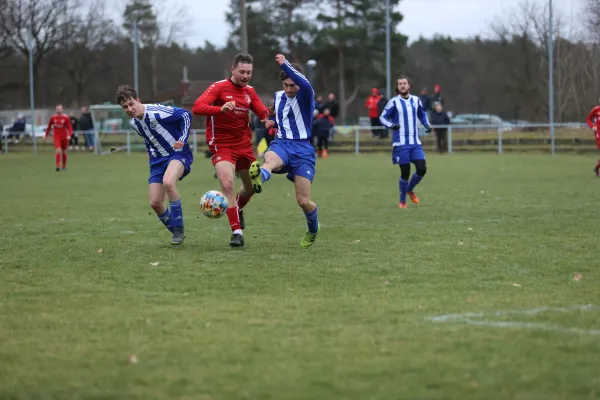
[[128, 143], [356, 143], [450, 139], [499, 140], [6, 144], [552, 141], [97, 143], [195, 142]]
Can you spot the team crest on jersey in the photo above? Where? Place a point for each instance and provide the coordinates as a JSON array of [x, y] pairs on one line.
[[248, 98]]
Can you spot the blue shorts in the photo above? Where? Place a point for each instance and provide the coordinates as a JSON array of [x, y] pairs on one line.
[[158, 168], [298, 158], [407, 154]]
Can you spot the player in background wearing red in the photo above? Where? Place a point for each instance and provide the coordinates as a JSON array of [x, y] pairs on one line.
[[226, 104], [63, 130], [593, 121]]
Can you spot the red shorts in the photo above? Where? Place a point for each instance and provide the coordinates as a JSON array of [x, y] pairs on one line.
[[61, 142], [240, 156]]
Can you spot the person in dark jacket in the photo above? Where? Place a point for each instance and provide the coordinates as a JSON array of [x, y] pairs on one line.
[[75, 137], [437, 95], [440, 117], [425, 100], [321, 128], [17, 129], [86, 125]]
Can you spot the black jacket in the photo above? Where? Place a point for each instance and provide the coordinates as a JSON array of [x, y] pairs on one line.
[[85, 122], [439, 118]]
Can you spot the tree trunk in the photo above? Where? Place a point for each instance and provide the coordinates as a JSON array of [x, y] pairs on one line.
[[341, 77], [154, 68]]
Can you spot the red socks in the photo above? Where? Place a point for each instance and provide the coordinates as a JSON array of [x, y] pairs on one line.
[[234, 218], [241, 201], [57, 157], [64, 160]]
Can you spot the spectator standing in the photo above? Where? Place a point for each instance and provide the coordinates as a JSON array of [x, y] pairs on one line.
[[321, 128], [319, 104], [74, 141], [437, 95], [372, 104], [86, 126], [425, 100], [440, 117]]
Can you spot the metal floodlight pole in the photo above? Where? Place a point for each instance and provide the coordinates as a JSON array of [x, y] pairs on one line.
[[244, 26], [551, 76], [135, 56], [311, 64], [31, 92], [388, 52]]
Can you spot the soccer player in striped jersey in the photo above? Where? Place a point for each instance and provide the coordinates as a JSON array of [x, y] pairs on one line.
[[165, 131], [292, 151], [401, 114]]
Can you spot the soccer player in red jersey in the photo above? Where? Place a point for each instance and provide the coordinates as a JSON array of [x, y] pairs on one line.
[[63, 130], [593, 121], [226, 104]]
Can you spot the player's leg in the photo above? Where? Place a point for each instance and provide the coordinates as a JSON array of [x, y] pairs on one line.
[[324, 154], [57, 152], [417, 158], [303, 186], [597, 167], [226, 175], [401, 156], [64, 145], [275, 159], [242, 166], [174, 172], [156, 192]]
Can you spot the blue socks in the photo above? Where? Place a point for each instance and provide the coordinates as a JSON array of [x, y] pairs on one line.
[[403, 190], [414, 181], [312, 220], [176, 213], [166, 220], [266, 175]]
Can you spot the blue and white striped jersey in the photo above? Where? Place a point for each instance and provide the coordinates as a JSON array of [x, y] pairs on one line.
[[404, 112], [294, 115], [161, 127]]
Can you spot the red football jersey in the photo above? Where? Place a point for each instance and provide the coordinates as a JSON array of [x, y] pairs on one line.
[[62, 125], [230, 128], [594, 118]]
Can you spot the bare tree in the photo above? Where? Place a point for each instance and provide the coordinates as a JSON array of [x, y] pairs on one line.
[[81, 52], [46, 21]]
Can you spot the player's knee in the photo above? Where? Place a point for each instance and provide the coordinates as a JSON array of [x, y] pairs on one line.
[[421, 167], [228, 186], [303, 200], [405, 171], [156, 204], [169, 185]]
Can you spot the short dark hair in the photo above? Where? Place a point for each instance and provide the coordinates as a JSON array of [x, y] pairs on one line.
[[402, 77], [242, 58], [124, 93], [285, 76]]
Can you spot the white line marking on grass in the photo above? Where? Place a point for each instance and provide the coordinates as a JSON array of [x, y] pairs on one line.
[[470, 319]]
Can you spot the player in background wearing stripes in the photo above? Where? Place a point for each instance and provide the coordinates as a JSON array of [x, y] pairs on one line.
[[227, 105], [401, 114], [593, 121], [165, 131], [292, 151], [62, 130]]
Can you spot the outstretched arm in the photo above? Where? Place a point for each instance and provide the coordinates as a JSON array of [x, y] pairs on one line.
[[50, 123], [306, 91], [422, 115], [203, 104], [388, 112]]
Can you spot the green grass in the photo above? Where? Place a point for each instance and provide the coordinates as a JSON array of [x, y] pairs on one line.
[[345, 319]]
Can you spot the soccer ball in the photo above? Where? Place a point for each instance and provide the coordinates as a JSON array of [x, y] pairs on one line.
[[213, 204]]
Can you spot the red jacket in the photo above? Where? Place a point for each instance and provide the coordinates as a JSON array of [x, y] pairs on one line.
[[62, 126], [372, 105], [230, 128]]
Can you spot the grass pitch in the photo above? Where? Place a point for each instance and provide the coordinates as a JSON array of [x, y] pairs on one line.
[[349, 318]]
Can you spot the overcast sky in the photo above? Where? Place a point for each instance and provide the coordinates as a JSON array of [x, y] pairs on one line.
[[457, 18]]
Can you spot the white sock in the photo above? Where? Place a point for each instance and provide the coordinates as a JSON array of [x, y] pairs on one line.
[[237, 232]]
